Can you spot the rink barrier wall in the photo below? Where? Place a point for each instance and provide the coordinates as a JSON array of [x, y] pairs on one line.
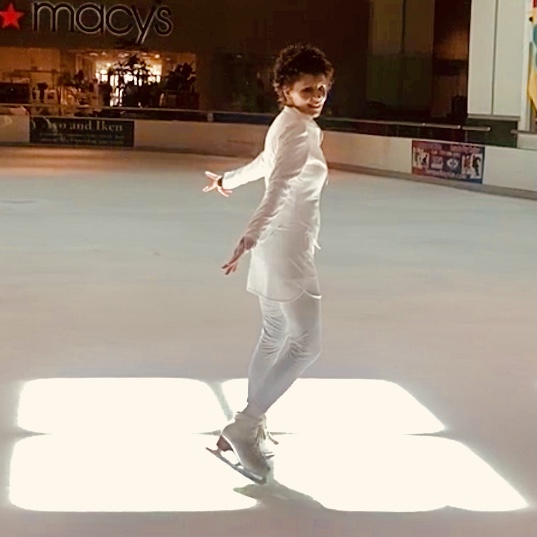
[[14, 129], [508, 171], [527, 141], [231, 140], [514, 168]]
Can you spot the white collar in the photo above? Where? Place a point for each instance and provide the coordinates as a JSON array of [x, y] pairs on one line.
[[297, 112]]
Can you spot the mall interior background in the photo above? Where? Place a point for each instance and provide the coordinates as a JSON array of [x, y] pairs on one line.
[[403, 60], [394, 58]]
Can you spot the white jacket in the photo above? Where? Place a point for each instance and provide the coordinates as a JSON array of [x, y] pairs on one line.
[[286, 224]]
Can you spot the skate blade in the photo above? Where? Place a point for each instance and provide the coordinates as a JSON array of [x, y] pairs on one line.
[[238, 467]]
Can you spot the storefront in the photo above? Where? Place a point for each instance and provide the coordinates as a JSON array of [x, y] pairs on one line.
[[92, 55], [228, 46], [413, 65]]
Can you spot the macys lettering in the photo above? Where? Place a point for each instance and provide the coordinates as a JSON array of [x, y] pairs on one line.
[[90, 18]]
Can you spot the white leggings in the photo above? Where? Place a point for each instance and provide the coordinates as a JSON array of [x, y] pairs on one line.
[[290, 342]]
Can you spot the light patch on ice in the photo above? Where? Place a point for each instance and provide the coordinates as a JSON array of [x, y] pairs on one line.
[[123, 445]]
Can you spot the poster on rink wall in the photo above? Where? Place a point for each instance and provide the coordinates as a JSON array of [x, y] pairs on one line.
[[464, 162], [81, 131]]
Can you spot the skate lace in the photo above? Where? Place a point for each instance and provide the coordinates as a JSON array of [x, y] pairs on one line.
[[264, 434]]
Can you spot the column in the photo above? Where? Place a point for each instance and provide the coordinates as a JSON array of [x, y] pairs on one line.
[[497, 42]]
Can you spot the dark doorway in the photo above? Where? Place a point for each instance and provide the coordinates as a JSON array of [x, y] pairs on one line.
[[450, 60]]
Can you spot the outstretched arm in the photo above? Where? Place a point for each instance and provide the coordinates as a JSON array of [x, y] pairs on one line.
[[250, 172]]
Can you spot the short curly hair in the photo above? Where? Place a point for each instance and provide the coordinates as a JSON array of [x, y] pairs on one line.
[[297, 60]]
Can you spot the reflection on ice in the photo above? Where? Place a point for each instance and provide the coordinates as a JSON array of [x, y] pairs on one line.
[[391, 474], [122, 474], [113, 404], [343, 405], [127, 445]]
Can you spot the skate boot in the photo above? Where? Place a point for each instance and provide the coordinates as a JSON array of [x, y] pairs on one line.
[[242, 436], [263, 434]]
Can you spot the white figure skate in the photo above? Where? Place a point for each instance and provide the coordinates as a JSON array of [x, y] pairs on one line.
[[263, 434], [241, 436]]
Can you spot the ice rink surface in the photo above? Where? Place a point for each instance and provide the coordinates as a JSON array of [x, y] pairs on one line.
[[124, 348]]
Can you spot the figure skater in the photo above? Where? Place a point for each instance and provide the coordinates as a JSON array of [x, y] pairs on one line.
[[281, 238]]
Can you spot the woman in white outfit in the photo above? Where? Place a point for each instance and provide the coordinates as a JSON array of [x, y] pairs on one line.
[[282, 238]]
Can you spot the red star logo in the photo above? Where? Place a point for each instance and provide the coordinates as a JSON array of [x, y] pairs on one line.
[[10, 17]]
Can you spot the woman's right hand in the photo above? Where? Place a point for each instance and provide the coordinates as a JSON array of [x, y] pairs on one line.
[[213, 185]]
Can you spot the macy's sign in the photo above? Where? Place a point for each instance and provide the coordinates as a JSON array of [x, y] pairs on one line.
[[92, 18]]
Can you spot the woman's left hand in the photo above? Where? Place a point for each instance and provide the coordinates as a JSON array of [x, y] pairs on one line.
[[245, 244]]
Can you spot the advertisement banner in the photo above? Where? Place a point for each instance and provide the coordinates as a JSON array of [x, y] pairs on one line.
[[464, 162], [81, 131]]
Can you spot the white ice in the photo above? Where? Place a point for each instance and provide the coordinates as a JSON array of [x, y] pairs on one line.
[[124, 349]]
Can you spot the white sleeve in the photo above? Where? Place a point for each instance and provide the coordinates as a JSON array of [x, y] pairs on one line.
[[250, 172], [291, 155]]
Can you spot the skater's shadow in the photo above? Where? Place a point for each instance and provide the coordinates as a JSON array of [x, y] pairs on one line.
[[274, 494]]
